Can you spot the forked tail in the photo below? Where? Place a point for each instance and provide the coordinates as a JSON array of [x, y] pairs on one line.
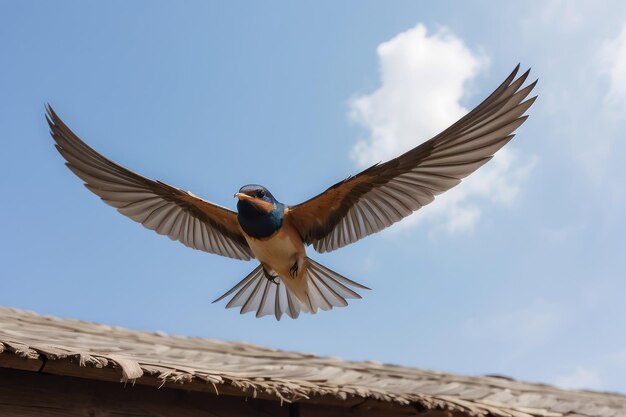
[[324, 290]]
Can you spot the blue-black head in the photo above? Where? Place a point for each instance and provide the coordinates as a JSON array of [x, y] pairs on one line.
[[258, 212]]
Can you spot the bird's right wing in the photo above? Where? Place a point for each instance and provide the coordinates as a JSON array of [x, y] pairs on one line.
[[386, 193], [167, 210]]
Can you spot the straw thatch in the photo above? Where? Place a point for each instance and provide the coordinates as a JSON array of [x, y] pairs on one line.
[[98, 352]]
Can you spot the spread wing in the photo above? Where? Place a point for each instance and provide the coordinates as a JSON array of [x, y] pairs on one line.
[[167, 210], [387, 192]]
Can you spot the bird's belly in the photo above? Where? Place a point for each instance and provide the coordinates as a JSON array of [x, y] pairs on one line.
[[279, 251]]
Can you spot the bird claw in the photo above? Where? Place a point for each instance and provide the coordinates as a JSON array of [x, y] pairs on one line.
[[293, 271], [271, 278]]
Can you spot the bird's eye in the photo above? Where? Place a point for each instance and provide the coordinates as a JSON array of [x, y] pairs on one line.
[[260, 194]]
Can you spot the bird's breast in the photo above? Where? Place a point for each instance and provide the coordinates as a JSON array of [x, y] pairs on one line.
[[280, 250]]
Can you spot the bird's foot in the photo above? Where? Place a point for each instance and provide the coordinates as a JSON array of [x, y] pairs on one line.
[[271, 278], [293, 271]]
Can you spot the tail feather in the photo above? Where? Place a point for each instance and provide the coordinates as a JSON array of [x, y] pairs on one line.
[[332, 282], [257, 293], [323, 290], [245, 283]]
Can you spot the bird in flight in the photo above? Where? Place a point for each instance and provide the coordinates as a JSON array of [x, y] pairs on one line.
[[287, 281]]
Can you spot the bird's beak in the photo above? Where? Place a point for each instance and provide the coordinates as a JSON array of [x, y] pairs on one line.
[[243, 196]]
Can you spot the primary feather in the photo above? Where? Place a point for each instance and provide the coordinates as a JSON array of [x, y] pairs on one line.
[[158, 206], [386, 193]]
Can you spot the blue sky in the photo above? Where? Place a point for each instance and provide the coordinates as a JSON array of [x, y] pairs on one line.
[[519, 271]]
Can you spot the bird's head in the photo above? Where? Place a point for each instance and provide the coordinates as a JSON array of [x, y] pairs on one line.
[[255, 197]]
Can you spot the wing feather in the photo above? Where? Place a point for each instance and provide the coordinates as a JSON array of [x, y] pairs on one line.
[[167, 210], [387, 192]]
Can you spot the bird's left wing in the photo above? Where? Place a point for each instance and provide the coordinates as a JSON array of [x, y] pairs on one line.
[[167, 210], [385, 193]]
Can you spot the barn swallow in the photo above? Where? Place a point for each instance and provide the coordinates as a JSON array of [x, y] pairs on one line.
[[286, 279]]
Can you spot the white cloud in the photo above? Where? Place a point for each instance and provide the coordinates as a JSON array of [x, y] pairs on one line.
[[581, 378], [424, 78], [579, 50], [600, 372], [422, 83], [613, 66]]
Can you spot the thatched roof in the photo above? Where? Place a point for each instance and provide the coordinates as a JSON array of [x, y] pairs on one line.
[[76, 348]]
